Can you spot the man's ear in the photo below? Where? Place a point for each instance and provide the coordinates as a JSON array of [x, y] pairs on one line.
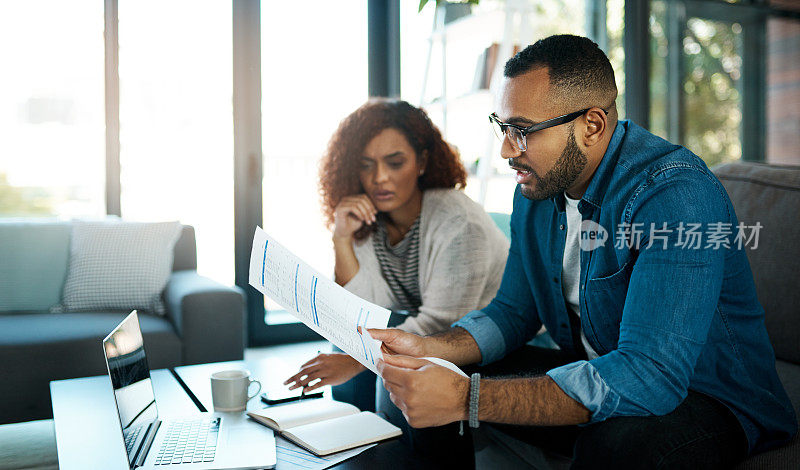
[[596, 126]]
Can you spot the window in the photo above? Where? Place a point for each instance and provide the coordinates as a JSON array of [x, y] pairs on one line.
[[702, 81], [314, 73], [711, 82], [52, 146], [176, 121], [615, 50], [708, 78]]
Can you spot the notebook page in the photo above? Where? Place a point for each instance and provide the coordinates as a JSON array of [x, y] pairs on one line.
[[342, 433], [304, 412]]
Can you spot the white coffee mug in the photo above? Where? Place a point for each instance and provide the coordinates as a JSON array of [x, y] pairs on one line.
[[229, 390]]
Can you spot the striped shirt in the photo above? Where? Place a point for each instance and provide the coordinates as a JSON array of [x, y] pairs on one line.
[[462, 254], [400, 266]]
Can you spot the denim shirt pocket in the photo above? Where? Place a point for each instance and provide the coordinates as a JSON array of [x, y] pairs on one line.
[[605, 301]]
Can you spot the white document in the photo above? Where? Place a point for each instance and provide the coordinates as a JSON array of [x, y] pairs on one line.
[[444, 363], [293, 457], [436, 360], [324, 306]]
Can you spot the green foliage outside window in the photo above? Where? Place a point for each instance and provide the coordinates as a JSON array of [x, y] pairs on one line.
[[20, 202], [712, 62], [713, 105]]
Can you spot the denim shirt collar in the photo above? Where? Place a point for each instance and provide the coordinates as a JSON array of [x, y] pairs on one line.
[[600, 180]]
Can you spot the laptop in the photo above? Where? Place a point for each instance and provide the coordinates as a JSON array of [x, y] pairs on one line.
[[200, 441]]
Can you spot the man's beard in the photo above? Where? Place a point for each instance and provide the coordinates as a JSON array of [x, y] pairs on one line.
[[563, 174]]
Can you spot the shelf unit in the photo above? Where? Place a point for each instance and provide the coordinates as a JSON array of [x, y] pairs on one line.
[[505, 23]]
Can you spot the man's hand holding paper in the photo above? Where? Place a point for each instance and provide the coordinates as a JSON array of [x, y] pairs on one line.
[[395, 341], [428, 391]]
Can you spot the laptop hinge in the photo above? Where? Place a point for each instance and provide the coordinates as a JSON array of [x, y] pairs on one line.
[[144, 449]]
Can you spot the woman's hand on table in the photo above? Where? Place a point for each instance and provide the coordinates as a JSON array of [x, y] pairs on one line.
[[325, 369]]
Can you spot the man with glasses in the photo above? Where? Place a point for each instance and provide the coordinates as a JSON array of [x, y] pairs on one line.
[[664, 359]]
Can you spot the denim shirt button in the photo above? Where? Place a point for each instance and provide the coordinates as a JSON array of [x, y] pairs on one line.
[[561, 227]]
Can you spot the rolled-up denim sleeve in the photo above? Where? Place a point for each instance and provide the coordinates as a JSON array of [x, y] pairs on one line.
[[659, 342], [486, 333], [583, 383]]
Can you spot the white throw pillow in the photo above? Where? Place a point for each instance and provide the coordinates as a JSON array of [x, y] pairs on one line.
[[119, 266]]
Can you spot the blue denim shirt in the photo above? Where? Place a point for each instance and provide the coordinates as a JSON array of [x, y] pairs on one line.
[[664, 315]]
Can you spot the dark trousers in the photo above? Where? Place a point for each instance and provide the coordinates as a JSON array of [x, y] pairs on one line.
[[358, 391], [700, 433]]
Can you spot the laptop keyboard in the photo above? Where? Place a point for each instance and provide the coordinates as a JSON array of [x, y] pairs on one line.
[[190, 441], [130, 438]]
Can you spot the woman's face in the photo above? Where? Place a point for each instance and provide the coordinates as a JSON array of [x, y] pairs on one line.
[[389, 169]]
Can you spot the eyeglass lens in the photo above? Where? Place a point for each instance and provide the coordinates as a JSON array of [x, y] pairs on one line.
[[514, 135]]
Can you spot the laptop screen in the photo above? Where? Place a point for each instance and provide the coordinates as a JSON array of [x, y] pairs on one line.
[[130, 378]]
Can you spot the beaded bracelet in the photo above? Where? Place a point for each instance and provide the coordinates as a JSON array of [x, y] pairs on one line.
[[474, 393]]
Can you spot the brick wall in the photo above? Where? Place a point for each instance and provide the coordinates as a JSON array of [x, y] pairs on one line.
[[783, 90]]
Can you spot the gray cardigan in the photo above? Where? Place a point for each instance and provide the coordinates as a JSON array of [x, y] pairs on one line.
[[461, 261]]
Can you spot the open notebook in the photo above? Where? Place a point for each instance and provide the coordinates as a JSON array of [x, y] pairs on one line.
[[325, 426]]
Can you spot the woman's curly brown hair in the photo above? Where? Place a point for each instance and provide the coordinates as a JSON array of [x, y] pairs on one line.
[[339, 167]]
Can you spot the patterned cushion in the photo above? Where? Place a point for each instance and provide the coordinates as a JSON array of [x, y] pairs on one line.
[[119, 266]]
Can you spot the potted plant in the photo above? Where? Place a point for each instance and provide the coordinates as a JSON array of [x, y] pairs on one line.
[[452, 10]]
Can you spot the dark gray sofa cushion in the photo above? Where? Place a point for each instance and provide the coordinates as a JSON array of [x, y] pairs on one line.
[[770, 194], [185, 255], [38, 348], [790, 377], [788, 456], [208, 316]]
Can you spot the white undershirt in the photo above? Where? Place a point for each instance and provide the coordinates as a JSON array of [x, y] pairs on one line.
[[571, 265]]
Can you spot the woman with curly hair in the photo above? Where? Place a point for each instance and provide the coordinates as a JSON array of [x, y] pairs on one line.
[[405, 237]]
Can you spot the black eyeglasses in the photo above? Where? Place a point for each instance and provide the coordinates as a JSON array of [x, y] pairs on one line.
[[518, 135]]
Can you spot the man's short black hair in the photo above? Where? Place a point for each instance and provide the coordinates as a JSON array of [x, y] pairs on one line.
[[575, 64]]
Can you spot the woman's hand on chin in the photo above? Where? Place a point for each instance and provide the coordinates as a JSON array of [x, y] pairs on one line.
[[351, 214]]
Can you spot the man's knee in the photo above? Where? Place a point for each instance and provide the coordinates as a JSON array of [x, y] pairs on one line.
[[615, 443]]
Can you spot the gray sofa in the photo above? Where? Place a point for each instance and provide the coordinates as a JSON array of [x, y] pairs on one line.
[[37, 346], [769, 194]]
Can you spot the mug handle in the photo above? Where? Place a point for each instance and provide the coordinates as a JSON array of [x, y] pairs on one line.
[[259, 389]]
